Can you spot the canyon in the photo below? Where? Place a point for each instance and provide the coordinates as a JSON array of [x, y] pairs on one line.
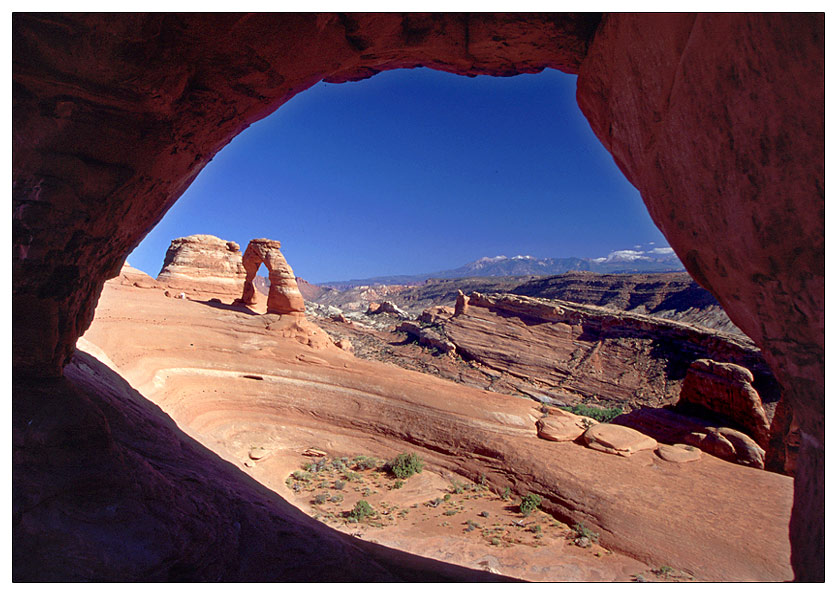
[[717, 119]]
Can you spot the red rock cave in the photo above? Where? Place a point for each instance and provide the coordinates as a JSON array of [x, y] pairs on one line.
[[718, 120]]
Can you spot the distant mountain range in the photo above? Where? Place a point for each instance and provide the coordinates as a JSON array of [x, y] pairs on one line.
[[637, 260]]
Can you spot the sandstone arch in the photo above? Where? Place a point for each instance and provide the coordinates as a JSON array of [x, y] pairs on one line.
[[283, 296], [717, 119]]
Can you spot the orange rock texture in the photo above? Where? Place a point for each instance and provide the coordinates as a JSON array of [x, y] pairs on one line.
[[283, 296], [203, 264], [717, 119]]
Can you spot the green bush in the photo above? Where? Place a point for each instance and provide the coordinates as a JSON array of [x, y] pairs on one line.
[[582, 532], [405, 465], [302, 476], [361, 510], [529, 503], [600, 415], [362, 463]]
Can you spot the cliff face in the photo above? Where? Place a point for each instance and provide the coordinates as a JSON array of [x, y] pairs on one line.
[[203, 264], [674, 296], [579, 352]]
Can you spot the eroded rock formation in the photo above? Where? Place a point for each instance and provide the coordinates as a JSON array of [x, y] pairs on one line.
[[717, 119], [136, 278], [203, 264], [727, 389], [670, 426], [617, 440], [575, 351], [283, 296]]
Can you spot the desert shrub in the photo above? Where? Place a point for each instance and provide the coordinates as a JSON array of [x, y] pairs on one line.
[[363, 463], [337, 498], [456, 487], [529, 503], [361, 510], [600, 415], [302, 476], [584, 535], [405, 465], [339, 484], [352, 476], [398, 484], [663, 571], [506, 493], [321, 498]]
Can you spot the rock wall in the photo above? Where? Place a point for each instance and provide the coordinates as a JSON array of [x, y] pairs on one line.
[[725, 113], [727, 389], [717, 119], [203, 264], [579, 352]]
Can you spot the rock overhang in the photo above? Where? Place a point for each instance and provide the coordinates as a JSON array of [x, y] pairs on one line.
[[722, 133]]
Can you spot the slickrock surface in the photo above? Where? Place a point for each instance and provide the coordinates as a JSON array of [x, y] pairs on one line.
[[203, 264], [511, 347], [283, 295], [235, 385]]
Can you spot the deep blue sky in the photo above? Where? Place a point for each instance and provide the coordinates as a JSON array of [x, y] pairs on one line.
[[414, 171]]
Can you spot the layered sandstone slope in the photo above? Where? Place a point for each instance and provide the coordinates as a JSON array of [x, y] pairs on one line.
[[674, 296], [233, 384], [150, 503], [203, 264], [576, 352]]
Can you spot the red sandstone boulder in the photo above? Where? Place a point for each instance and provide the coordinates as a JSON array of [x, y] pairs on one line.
[[617, 440], [436, 314], [678, 453], [727, 389], [427, 335], [563, 426], [729, 444]]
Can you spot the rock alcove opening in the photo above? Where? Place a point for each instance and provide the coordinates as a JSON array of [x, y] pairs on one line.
[[717, 123], [412, 172]]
